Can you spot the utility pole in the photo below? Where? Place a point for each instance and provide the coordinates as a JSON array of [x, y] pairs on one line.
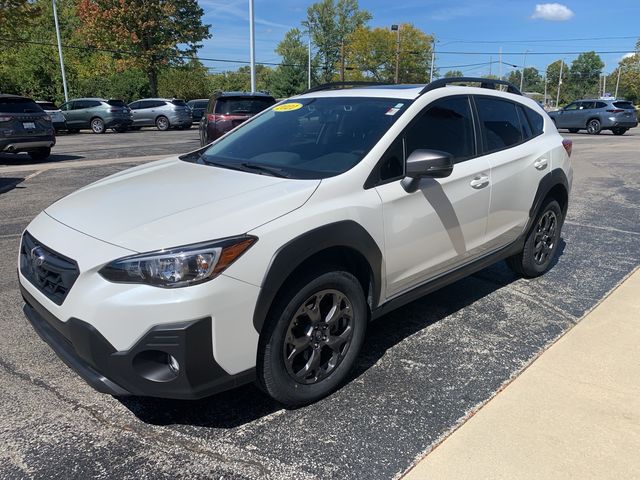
[[500, 62], [433, 59], [309, 64], [546, 81], [559, 82], [604, 84], [490, 64], [64, 77], [524, 65], [252, 46], [615, 95], [396, 28], [342, 63]]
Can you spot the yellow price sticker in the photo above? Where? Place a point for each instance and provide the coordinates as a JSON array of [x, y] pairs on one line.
[[287, 107]]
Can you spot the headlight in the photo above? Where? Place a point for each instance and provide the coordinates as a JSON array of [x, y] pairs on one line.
[[180, 266]]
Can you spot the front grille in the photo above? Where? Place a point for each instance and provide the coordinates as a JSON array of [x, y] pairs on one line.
[[50, 272]]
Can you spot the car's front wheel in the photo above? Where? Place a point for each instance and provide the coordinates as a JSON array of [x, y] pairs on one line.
[[313, 337], [541, 243]]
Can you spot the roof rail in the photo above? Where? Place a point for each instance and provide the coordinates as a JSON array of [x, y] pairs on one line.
[[489, 83], [341, 85]]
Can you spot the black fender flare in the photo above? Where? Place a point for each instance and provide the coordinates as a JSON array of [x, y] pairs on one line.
[[347, 233], [547, 183]]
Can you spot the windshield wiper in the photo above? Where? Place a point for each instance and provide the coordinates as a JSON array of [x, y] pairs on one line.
[[274, 171]]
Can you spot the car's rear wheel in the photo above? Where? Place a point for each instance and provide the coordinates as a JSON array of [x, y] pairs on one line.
[[594, 127], [162, 123], [97, 125], [313, 337], [541, 243], [574, 130], [40, 154], [619, 131]]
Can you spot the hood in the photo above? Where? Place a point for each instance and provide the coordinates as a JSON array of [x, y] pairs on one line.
[[171, 203]]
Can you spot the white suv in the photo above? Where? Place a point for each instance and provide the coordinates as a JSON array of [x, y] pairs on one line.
[[264, 255]]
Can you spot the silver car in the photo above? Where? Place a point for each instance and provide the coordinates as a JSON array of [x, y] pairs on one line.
[[57, 118], [163, 113], [596, 115]]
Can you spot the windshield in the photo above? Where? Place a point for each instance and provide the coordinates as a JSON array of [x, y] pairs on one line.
[[48, 106], [116, 103], [308, 138], [179, 103]]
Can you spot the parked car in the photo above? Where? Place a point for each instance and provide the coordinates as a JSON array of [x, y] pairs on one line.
[[25, 127], [198, 108], [96, 114], [57, 118], [596, 115], [163, 113], [264, 255], [227, 110]]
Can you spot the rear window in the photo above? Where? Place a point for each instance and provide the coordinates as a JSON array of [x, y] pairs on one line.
[[500, 123], [625, 105], [179, 103], [48, 106], [200, 104], [242, 106], [116, 103], [19, 105], [535, 120]]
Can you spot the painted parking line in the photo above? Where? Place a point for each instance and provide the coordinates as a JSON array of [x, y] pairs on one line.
[[79, 164]]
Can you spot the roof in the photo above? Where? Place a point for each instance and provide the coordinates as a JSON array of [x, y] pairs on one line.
[[242, 94], [8, 95], [407, 92]]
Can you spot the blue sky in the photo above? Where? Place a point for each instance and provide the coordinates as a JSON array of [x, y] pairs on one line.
[[460, 26]]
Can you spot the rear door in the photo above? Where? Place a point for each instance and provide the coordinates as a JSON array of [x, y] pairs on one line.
[[443, 223], [518, 162]]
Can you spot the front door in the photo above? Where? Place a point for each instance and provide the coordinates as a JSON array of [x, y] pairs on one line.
[[569, 116], [442, 224]]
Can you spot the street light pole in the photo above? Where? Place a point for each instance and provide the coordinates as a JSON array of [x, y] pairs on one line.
[[396, 28], [615, 95], [64, 77], [559, 82], [433, 59], [309, 63], [252, 46], [524, 65]]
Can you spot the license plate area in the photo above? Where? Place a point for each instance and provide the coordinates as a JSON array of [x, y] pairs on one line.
[[29, 125]]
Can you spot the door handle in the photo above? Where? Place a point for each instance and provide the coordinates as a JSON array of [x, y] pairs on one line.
[[541, 164], [479, 182]]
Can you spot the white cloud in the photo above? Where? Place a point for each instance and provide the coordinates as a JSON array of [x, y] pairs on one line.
[[554, 12]]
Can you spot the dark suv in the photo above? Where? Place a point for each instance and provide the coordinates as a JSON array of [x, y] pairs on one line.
[[227, 110], [25, 127], [198, 107], [596, 115]]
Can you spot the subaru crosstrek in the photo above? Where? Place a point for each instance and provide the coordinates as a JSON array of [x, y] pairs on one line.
[[264, 255]]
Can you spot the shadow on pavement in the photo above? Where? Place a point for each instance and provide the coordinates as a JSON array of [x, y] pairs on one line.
[[248, 403], [11, 159], [8, 183]]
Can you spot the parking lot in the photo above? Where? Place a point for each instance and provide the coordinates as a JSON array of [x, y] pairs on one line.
[[425, 368]]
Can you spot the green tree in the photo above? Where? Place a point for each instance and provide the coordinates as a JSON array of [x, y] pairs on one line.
[[533, 81], [153, 33], [629, 69], [330, 23], [240, 80], [290, 78], [553, 74], [15, 15], [453, 74], [371, 54], [187, 82], [585, 73]]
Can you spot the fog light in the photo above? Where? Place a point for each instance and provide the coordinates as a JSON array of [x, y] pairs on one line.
[[156, 366]]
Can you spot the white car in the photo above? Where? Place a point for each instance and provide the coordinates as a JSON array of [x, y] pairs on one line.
[[57, 118], [264, 255]]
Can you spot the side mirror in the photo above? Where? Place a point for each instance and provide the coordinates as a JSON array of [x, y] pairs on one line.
[[426, 163]]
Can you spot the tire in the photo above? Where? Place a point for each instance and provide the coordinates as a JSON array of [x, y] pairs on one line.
[[574, 130], [541, 244], [162, 123], [40, 154], [97, 125], [594, 127], [619, 131], [335, 344]]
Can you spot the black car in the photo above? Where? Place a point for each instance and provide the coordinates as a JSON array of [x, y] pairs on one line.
[[198, 108], [25, 127]]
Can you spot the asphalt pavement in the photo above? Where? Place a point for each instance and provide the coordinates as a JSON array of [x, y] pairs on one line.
[[425, 368]]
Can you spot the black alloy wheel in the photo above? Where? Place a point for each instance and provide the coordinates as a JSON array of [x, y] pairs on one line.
[[594, 127], [312, 336]]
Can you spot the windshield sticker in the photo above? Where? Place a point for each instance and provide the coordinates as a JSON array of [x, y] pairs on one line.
[[392, 111], [287, 107]]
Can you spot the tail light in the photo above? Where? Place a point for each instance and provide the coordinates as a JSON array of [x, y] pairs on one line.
[[5, 118], [616, 110], [568, 145], [212, 117]]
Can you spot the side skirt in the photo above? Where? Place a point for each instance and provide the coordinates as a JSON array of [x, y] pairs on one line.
[[448, 278]]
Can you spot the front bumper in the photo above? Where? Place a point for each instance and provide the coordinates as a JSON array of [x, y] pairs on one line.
[[139, 370]]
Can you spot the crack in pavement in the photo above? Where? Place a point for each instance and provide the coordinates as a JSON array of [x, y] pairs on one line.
[[148, 433]]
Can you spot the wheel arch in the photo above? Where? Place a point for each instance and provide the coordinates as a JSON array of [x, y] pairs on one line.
[[554, 184], [346, 244]]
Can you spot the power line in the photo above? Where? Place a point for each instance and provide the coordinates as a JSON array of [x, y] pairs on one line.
[[546, 40]]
